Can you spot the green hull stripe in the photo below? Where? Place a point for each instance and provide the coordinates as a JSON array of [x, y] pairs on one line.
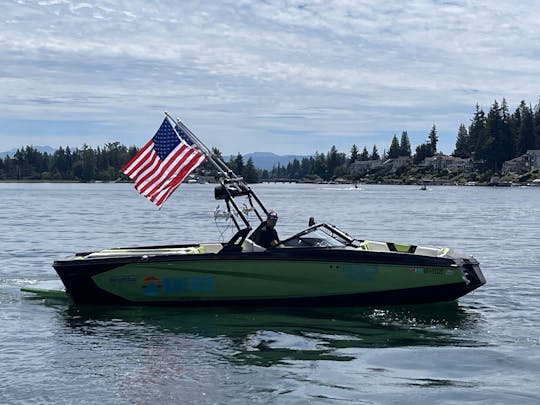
[[233, 280]]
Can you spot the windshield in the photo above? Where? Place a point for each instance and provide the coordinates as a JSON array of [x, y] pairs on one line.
[[319, 236]]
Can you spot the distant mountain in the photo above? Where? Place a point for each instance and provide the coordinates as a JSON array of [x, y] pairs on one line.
[[267, 160], [43, 149]]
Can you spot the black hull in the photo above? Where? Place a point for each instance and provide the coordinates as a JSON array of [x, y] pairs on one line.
[[77, 276], [423, 295]]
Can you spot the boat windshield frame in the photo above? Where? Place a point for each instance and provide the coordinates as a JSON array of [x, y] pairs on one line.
[[332, 237]]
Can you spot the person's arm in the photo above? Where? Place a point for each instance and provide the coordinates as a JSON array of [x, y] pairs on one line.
[[256, 235], [275, 240]]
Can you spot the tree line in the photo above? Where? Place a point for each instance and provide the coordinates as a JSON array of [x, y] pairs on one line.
[[499, 136], [493, 138], [66, 164]]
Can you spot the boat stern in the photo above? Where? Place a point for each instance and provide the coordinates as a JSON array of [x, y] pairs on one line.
[[472, 275]]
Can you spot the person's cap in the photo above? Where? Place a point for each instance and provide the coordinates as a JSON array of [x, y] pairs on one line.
[[272, 216]]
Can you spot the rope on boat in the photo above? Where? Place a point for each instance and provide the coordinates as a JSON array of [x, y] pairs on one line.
[[226, 217]]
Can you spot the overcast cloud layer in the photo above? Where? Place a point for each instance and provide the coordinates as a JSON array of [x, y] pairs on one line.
[[281, 76]]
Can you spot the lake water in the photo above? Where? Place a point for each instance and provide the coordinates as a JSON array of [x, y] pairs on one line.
[[485, 348]]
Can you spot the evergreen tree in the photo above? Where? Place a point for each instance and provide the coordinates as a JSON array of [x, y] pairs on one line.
[[433, 138], [332, 160], [484, 147], [395, 149], [102, 162], [341, 171], [273, 172], [516, 120], [354, 154], [423, 151], [306, 167], [476, 131], [296, 170], [288, 170], [537, 124], [9, 168], [250, 173], [491, 148], [18, 158], [374, 154], [281, 171], [364, 155], [319, 166], [508, 141], [30, 163], [526, 139], [405, 145], [236, 164], [88, 167], [462, 143], [239, 163]]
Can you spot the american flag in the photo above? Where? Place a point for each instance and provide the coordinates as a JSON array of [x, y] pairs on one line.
[[162, 164]]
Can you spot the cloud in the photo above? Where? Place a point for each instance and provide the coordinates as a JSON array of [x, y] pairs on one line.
[[306, 74]]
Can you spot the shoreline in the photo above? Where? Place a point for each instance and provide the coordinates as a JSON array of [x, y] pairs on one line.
[[350, 183]]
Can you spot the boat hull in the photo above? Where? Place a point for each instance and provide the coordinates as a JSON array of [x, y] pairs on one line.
[[273, 277]]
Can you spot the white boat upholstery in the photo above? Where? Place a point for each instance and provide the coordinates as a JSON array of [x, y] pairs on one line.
[[190, 250], [374, 246], [431, 251], [210, 248], [249, 246]]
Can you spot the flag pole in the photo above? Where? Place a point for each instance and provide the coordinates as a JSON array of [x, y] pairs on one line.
[[218, 163]]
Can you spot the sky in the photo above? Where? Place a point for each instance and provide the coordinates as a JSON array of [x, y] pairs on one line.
[[289, 77]]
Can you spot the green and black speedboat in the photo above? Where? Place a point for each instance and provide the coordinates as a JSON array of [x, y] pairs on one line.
[[321, 265]]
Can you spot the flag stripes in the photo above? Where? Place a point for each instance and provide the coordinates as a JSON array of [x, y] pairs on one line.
[[157, 170]]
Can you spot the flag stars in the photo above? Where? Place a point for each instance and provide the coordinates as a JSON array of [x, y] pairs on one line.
[[165, 140], [184, 136]]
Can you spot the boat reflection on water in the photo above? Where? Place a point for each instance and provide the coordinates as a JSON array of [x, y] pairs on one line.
[[266, 336]]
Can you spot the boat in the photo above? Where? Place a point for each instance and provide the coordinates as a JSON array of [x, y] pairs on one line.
[[319, 265]]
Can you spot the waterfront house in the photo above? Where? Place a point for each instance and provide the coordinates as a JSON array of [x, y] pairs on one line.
[[364, 166], [398, 162], [524, 163], [450, 163]]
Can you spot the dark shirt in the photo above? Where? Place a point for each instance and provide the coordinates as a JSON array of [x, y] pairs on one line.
[[263, 236]]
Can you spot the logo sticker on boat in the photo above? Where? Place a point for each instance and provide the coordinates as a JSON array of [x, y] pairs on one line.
[[433, 271], [151, 286]]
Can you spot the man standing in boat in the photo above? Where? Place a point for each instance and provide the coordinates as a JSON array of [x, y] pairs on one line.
[[266, 235]]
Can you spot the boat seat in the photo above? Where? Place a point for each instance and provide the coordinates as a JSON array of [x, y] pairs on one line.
[[191, 250], [431, 251], [107, 253], [374, 246], [210, 248], [249, 246]]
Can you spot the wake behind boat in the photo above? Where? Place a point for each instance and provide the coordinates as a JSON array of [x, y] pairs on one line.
[[320, 265]]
